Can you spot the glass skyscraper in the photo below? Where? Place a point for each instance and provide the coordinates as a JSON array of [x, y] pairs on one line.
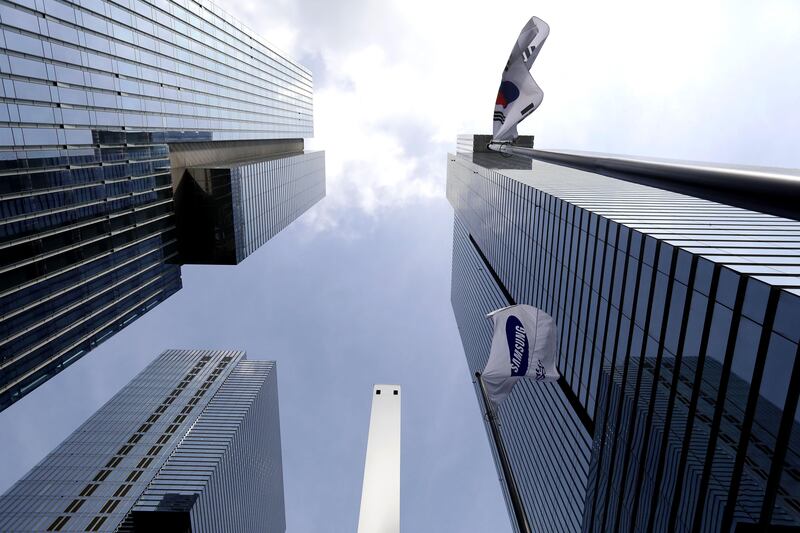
[[190, 444], [678, 346], [135, 136]]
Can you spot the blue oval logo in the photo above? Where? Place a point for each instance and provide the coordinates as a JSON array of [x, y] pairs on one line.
[[517, 346]]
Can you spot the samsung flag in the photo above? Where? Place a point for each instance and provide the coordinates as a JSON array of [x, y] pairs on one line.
[[524, 345], [519, 96]]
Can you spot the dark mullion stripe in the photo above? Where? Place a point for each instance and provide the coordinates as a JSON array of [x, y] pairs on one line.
[[575, 379], [668, 303], [565, 229], [571, 397], [687, 436], [598, 244], [595, 467], [752, 400], [730, 347], [563, 283], [569, 296], [609, 389], [632, 420], [614, 254], [548, 298], [520, 247], [543, 221], [584, 301], [577, 296], [662, 455], [531, 246], [550, 260], [559, 255], [782, 443], [540, 255]]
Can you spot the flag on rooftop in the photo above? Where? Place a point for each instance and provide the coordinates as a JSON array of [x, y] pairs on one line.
[[519, 95]]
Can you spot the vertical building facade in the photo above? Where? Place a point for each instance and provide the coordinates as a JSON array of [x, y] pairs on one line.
[[227, 209], [677, 407], [380, 492], [191, 444], [107, 109]]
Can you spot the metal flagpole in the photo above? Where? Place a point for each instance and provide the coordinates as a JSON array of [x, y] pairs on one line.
[[775, 190], [511, 484]]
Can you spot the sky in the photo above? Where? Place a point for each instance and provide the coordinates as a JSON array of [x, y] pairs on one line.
[[357, 290]]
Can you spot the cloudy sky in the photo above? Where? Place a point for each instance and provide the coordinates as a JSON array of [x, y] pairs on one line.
[[356, 292]]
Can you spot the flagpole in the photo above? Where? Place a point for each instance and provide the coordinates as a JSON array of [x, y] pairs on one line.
[[505, 464], [775, 191], [509, 148]]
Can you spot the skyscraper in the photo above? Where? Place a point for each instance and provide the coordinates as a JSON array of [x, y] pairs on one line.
[[135, 136], [678, 345], [190, 444], [380, 492]]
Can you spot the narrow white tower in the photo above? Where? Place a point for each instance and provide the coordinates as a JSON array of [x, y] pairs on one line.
[[380, 494]]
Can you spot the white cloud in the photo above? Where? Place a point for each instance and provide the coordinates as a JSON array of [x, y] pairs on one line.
[[369, 167], [395, 81]]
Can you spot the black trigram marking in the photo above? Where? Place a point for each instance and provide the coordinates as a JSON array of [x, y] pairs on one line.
[[528, 53], [529, 108], [499, 117]]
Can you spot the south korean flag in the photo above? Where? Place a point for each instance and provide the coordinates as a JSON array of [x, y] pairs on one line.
[[523, 346], [519, 95]]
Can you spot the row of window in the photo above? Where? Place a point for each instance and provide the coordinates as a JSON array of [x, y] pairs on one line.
[[101, 324], [27, 331], [230, 454], [154, 451], [169, 43], [79, 324], [34, 292]]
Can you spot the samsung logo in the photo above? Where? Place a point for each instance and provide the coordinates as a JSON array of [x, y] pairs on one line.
[[517, 346]]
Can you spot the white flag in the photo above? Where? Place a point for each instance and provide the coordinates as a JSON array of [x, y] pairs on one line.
[[524, 345], [519, 96]]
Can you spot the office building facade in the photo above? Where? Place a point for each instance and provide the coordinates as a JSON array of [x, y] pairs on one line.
[[227, 210], [677, 407], [191, 444], [106, 107]]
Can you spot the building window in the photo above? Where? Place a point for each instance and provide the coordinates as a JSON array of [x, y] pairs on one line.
[[122, 490], [89, 489], [109, 506], [95, 524], [102, 475], [58, 523], [74, 506]]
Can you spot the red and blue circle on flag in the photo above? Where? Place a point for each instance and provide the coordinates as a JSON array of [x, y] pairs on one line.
[[507, 93]]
